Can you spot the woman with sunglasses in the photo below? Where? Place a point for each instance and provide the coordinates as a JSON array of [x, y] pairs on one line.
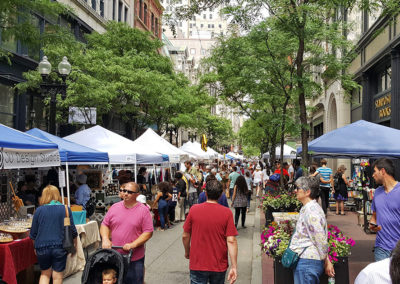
[[163, 195], [310, 239]]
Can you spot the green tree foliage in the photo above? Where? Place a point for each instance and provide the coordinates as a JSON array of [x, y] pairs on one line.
[[123, 75], [17, 22], [315, 33]]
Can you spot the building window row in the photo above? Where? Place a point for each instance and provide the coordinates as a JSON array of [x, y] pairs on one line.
[[120, 12], [151, 21]]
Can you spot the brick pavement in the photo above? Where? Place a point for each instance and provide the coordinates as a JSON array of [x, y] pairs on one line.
[[361, 255]]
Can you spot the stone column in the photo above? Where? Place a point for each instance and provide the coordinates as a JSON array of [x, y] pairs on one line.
[[395, 81], [366, 97]]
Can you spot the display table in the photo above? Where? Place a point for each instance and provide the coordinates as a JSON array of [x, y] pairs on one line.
[[15, 257], [79, 217], [88, 234]]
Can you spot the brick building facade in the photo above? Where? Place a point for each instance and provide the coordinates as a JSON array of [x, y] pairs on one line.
[[148, 16]]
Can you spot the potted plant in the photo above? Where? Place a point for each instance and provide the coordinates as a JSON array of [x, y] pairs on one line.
[[275, 239], [282, 202]]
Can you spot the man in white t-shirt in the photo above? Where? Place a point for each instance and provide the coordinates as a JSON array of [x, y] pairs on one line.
[[386, 271]]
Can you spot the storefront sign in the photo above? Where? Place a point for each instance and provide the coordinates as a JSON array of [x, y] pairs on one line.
[[382, 105], [15, 158]]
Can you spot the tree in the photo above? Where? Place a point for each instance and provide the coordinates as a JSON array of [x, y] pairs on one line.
[[254, 74], [310, 28], [122, 74], [17, 22]]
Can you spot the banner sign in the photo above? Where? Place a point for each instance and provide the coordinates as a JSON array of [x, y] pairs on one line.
[[28, 158]]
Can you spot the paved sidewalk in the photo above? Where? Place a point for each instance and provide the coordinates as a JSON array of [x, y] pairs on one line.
[[361, 255], [165, 261]]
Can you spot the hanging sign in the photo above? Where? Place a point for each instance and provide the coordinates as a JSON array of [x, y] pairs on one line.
[[204, 142], [61, 179], [383, 106], [28, 158]]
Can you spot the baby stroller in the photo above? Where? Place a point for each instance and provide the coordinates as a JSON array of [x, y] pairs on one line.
[[104, 259]]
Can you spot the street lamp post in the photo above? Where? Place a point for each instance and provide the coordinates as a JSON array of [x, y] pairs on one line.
[[52, 88]]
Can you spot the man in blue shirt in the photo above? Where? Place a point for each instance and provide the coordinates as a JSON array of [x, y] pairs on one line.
[[232, 180], [82, 194], [385, 220], [326, 180], [298, 169]]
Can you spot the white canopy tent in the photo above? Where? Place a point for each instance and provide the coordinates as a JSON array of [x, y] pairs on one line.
[[288, 152], [120, 149], [194, 149], [152, 140]]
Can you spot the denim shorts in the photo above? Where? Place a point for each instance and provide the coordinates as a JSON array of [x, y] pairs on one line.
[[205, 277], [54, 258]]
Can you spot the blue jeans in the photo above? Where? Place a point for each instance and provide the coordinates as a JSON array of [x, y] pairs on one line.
[[162, 211], [308, 271], [135, 272], [205, 277], [380, 253]]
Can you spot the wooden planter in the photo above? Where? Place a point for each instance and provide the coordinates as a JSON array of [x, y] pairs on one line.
[[284, 275]]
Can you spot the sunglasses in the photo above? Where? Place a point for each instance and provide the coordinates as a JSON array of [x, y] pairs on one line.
[[128, 191]]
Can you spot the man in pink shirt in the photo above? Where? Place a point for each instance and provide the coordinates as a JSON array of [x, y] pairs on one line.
[[130, 225]]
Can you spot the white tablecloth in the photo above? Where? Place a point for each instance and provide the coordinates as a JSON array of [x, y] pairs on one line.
[[88, 235]]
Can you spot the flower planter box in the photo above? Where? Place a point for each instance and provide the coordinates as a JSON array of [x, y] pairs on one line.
[[284, 275], [341, 272]]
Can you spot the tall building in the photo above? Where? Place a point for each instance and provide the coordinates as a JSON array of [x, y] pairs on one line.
[[148, 16], [198, 36]]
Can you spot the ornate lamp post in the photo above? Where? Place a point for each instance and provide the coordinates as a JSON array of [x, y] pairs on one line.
[[52, 88]]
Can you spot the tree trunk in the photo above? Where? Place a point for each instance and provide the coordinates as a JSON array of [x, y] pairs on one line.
[[283, 126], [302, 99]]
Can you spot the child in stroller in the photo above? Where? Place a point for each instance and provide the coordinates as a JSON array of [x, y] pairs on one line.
[[109, 276], [103, 260]]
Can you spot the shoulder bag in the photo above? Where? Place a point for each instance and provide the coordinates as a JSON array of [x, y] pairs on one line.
[[291, 258], [68, 242]]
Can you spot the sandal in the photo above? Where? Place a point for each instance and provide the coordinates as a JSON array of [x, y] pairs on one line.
[[343, 213]]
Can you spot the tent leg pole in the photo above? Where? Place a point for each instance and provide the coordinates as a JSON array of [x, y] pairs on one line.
[[61, 188], [135, 172], [67, 178], [155, 173]]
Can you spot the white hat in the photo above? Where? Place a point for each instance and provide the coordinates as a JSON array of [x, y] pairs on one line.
[[258, 167], [141, 198]]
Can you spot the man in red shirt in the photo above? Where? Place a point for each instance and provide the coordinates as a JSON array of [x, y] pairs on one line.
[[278, 169], [209, 234]]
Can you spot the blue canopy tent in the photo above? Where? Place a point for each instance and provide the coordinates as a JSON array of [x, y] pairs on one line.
[[361, 139], [71, 153], [21, 150]]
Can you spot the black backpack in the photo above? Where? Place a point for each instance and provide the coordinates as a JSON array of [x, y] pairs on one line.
[[90, 207], [336, 182]]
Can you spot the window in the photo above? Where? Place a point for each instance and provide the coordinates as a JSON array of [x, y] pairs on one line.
[[145, 14], [141, 9], [102, 8], [157, 27], [204, 16], [203, 51], [212, 26], [191, 25], [7, 105], [210, 16], [220, 26], [194, 18], [126, 15], [119, 11], [356, 98], [384, 80], [193, 51], [209, 26], [94, 4], [152, 22], [318, 130], [212, 34], [190, 33], [201, 25]]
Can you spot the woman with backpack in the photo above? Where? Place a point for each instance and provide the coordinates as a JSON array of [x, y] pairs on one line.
[[239, 199], [340, 189]]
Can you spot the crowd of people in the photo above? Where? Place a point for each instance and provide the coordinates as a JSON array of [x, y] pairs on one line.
[[198, 195]]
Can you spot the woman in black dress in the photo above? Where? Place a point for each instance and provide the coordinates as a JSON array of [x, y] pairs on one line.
[[340, 190]]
